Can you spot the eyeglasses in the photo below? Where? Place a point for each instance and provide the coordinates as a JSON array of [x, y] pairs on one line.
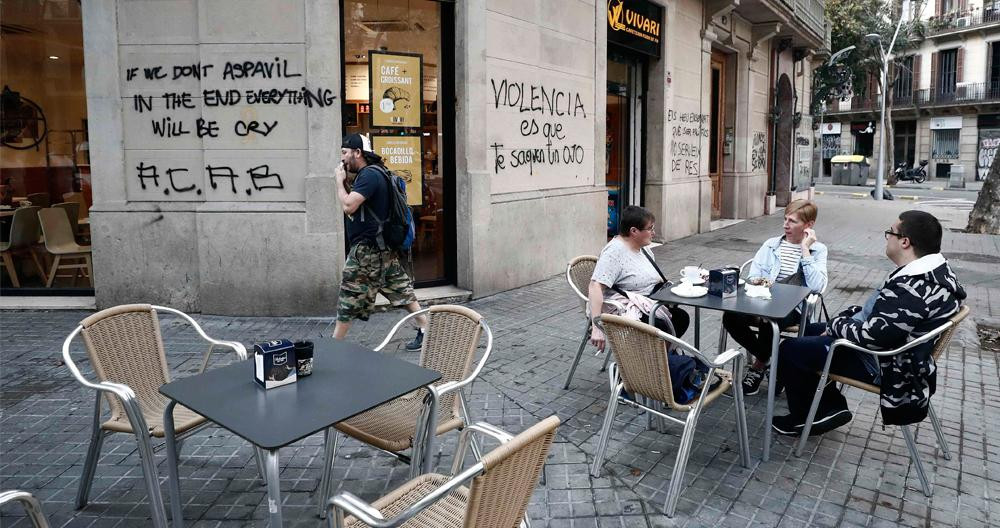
[[897, 235], [650, 228]]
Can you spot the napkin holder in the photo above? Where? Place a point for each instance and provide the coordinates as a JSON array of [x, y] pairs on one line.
[[723, 282], [274, 363]]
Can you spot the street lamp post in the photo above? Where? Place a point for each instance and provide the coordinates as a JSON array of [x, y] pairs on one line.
[[822, 112], [884, 77]]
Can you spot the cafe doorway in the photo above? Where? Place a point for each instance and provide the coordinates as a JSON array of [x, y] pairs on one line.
[[717, 119], [624, 135], [420, 33]]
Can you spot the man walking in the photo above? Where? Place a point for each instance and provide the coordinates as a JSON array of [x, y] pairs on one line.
[[920, 295], [370, 269]]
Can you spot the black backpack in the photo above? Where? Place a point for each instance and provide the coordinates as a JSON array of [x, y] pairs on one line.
[[396, 230]]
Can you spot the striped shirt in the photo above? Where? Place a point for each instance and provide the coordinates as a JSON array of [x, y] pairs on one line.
[[790, 255]]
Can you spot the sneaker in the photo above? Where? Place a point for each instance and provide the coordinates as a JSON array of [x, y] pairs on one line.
[[830, 422], [786, 425], [752, 380], [418, 341]]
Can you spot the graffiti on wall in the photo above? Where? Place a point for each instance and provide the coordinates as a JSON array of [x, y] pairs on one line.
[[549, 112], [989, 141], [758, 151], [172, 110], [686, 130]]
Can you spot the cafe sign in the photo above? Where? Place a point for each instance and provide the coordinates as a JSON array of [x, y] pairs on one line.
[[636, 25], [395, 80], [401, 154]]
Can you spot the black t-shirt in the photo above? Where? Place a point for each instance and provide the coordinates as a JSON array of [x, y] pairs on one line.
[[362, 225]]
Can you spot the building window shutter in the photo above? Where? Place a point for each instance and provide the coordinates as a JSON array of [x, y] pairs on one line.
[[916, 72], [938, 6], [959, 64], [934, 67]]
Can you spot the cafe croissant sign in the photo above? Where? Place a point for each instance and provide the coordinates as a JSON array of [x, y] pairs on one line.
[[636, 25]]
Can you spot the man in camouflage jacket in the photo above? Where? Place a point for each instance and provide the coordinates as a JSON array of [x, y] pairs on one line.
[[917, 297]]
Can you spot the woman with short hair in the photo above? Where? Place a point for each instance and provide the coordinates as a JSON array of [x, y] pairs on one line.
[[795, 257]]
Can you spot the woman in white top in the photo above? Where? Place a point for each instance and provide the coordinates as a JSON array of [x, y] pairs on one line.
[[794, 258], [625, 265]]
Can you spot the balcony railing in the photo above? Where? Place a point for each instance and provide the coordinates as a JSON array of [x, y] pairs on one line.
[[812, 13], [965, 93], [959, 20]]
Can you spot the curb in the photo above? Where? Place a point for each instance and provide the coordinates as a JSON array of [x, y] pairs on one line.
[[855, 196]]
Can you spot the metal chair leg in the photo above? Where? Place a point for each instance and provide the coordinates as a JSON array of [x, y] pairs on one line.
[[93, 453], [258, 457], [151, 477], [942, 442], [912, 446], [680, 464], [477, 451], [330, 443], [602, 442], [579, 354]]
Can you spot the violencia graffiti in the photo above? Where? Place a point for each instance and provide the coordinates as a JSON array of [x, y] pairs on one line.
[[758, 151], [687, 130], [989, 141], [548, 109], [167, 114]]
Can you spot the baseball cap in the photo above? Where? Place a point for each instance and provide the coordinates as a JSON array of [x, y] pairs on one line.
[[359, 141]]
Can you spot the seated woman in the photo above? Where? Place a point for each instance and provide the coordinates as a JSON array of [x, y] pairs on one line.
[[794, 258], [626, 266]]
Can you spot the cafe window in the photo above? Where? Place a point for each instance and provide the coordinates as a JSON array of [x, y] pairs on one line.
[[945, 144], [396, 78], [44, 154]]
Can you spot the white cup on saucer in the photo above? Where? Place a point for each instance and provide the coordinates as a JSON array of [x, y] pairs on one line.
[[691, 274]]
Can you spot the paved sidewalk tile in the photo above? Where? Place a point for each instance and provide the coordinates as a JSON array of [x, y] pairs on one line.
[[858, 475]]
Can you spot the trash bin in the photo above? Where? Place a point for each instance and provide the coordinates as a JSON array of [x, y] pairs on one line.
[[957, 178], [849, 170]]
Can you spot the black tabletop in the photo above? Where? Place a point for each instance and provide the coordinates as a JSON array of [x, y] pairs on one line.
[[784, 299], [347, 379]]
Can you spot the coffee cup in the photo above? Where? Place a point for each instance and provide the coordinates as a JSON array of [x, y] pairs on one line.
[[691, 273], [304, 357]]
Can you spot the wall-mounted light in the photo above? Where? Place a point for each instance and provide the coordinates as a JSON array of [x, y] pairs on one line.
[[54, 57]]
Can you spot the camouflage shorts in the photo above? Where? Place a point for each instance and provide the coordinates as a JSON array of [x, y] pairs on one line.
[[369, 271]]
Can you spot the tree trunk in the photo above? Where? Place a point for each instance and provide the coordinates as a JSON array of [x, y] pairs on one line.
[[985, 215]]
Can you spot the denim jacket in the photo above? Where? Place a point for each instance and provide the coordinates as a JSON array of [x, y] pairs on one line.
[[767, 263]]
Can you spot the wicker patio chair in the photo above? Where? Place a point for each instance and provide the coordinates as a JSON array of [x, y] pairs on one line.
[[641, 368], [943, 334], [814, 303], [414, 420], [125, 347], [30, 504], [60, 241], [578, 273], [24, 235], [502, 483]]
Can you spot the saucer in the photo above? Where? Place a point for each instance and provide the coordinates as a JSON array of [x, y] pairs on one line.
[[683, 290]]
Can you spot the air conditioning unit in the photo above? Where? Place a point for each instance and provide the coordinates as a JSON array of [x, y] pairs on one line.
[[963, 21]]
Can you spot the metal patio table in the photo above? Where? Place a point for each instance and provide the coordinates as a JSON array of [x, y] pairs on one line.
[[784, 299], [347, 380]]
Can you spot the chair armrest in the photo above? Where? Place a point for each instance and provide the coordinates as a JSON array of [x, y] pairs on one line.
[[123, 392], [366, 513], [885, 353], [30, 503], [241, 351], [726, 357], [463, 441], [397, 326]]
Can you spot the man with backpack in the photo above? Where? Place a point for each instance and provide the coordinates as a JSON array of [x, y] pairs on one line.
[[376, 233]]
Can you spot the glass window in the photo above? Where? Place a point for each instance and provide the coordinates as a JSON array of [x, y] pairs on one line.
[[413, 28], [945, 144], [44, 156]]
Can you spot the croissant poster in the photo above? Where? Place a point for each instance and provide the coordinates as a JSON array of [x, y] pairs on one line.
[[395, 89], [402, 156]]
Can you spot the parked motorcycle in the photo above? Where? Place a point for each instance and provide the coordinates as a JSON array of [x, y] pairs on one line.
[[917, 174]]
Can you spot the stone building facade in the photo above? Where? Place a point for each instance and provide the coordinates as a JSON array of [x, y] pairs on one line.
[[215, 128]]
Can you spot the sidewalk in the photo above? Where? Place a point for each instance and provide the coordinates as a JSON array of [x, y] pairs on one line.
[[859, 475], [931, 184]]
